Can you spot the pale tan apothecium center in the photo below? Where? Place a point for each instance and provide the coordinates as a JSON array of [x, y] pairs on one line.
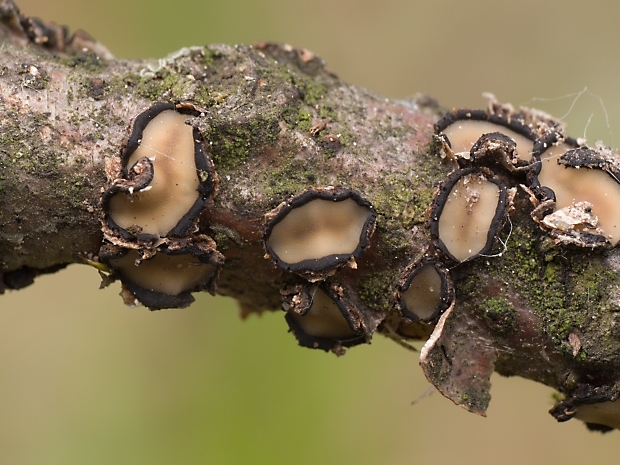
[[463, 134], [168, 274], [169, 143], [424, 293], [468, 215], [317, 229], [324, 319], [573, 185], [604, 413]]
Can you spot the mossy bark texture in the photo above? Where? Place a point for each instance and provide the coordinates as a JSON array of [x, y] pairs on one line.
[[277, 123]]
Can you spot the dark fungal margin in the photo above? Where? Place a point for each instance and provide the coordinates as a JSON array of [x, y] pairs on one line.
[[154, 240], [596, 406], [281, 244], [496, 149], [166, 279], [576, 192], [322, 317], [543, 146], [443, 196], [425, 293], [482, 122], [132, 185]]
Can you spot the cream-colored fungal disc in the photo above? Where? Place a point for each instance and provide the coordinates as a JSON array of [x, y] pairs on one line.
[[324, 319], [318, 229], [168, 274], [574, 185], [463, 134], [467, 216], [169, 143], [423, 296], [603, 413]]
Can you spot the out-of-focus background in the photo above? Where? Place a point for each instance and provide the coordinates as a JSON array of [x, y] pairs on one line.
[[85, 380]]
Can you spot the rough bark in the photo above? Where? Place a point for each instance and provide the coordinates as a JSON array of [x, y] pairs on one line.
[[277, 123]]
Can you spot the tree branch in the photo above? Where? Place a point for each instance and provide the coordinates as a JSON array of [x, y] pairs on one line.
[[276, 123]]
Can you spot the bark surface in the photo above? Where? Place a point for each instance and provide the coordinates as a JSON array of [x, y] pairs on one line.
[[278, 123]]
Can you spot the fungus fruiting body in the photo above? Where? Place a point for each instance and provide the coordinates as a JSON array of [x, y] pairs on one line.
[[181, 175], [167, 279], [468, 213], [167, 178], [597, 406], [563, 169], [602, 416], [424, 292], [318, 231], [169, 274], [321, 317], [153, 240], [463, 128]]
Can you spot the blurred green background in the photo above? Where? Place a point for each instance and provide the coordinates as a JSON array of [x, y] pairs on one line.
[[85, 380]]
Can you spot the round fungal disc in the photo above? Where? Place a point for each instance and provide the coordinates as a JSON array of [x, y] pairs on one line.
[[426, 293], [319, 230]]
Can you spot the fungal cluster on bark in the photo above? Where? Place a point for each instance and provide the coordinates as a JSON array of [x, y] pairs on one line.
[[157, 246], [154, 240], [489, 234], [312, 235], [577, 206], [574, 192]]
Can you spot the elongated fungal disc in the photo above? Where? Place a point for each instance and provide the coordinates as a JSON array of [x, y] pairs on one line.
[[166, 280], [169, 143], [463, 128], [424, 293], [319, 230], [468, 213], [167, 176]]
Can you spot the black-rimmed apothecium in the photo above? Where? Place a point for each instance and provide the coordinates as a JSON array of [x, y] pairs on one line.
[[318, 231], [182, 176], [321, 317]]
